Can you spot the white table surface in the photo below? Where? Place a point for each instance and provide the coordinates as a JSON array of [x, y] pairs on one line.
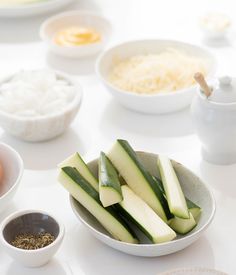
[[101, 120]]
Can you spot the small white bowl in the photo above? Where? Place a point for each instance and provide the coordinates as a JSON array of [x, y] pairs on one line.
[[13, 168], [193, 188], [32, 9], [43, 127], [73, 18], [151, 104], [31, 221], [213, 29]]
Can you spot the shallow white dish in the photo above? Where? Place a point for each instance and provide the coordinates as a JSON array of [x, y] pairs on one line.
[[150, 104], [44, 127], [32, 8], [193, 188], [13, 168], [193, 271], [74, 18], [35, 222]]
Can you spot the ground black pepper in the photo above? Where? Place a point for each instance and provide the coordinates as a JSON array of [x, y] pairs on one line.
[[30, 241]]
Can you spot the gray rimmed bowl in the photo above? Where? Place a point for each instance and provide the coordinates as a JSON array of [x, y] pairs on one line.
[[34, 222], [193, 188]]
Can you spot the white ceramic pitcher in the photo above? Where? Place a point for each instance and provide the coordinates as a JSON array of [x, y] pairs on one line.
[[214, 118]]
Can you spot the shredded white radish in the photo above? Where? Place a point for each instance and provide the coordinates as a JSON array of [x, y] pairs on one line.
[[35, 93], [169, 71]]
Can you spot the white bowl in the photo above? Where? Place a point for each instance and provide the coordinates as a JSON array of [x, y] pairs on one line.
[[193, 271], [150, 104], [193, 188], [74, 18], [13, 168], [213, 31], [43, 127], [17, 10], [31, 221]]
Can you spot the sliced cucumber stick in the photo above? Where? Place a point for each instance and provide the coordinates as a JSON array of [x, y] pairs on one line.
[[126, 162], [109, 184], [86, 195], [174, 194], [183, 226], [76, 161], [192, 207], [136, 210]]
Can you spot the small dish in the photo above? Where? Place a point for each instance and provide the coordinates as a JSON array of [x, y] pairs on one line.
[[214, 25], [31, 9], [35, 222], [193, 271], [46, 127], [193, 188], [73, 18], [13, 167], [156, 103]]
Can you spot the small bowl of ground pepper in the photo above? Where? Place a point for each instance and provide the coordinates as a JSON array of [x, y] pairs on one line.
[[31, 237]]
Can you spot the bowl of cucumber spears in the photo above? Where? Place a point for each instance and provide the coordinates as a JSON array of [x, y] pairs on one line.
[[136, 202]]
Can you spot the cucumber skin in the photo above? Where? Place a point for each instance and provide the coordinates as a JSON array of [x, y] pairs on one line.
[[74, 174], [180, 233], [128, 217], [108, 176], [124, 144], [169, 215], [67, 162], [190, 203], [180, 213]]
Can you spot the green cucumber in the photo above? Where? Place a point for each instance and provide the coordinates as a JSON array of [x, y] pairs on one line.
[[138, 211], [86, 195], [192, 207], [109, 184], [174, 194], [76, 161], [126, 162], [183, 226]]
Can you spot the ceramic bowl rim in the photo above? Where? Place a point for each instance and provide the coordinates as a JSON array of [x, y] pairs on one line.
[[43, 34], [21, 169], [34, 5]]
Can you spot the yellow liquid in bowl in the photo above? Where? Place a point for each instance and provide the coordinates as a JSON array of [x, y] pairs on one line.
[[76, 36]]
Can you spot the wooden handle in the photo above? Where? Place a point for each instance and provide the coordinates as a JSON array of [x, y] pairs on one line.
[[202, 82]]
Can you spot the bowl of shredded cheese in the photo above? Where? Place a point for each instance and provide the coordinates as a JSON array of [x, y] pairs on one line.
[[154, 76]]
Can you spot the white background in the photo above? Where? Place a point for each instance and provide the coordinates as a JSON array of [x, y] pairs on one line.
[[101, 120]]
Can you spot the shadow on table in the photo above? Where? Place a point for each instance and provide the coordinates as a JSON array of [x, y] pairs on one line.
[[81, 66], [89, 250], [53, 267], [220, 177], [46, 155], [116, 117]]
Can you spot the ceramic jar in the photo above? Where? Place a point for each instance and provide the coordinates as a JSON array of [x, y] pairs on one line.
[[214, 119]]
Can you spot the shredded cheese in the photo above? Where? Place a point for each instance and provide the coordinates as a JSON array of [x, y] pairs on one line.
[[169, 71]]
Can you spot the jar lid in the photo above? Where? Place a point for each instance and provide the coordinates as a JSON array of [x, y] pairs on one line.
[[224, 90]]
